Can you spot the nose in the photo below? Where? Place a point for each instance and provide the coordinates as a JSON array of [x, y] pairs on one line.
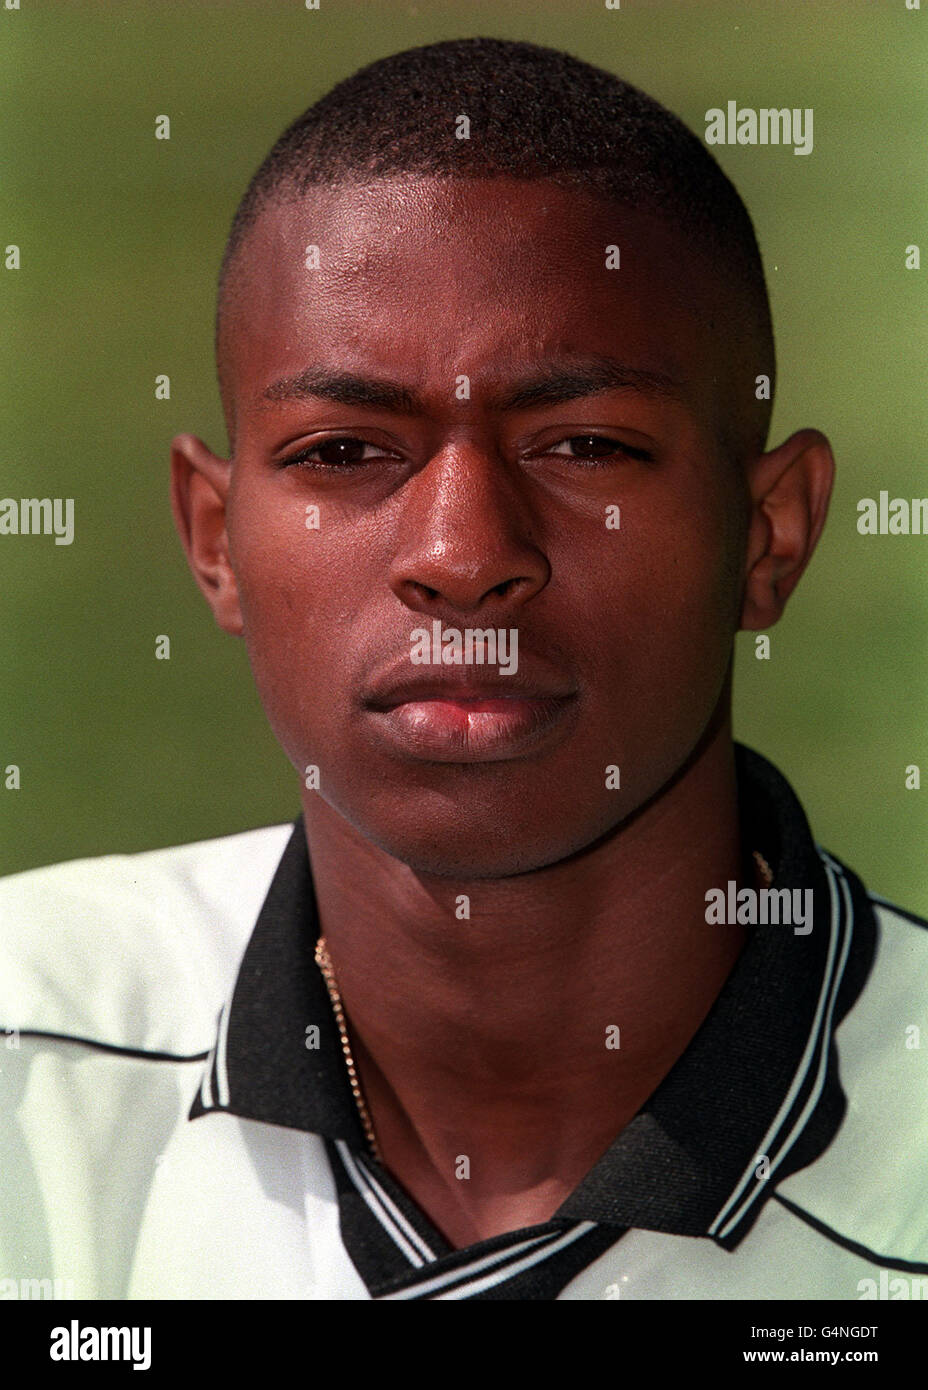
[[465, 536]]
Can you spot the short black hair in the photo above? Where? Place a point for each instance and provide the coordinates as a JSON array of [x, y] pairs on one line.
[[534, 113]]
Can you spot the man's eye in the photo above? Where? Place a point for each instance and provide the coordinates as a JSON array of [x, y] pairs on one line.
[[596, 446], [344, 451]]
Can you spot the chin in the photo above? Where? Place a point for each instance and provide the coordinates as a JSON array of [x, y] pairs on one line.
[[446, 847]]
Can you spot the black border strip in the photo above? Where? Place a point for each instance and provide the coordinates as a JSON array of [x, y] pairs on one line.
[[109, 1047], [883, 1261], [899, 911]]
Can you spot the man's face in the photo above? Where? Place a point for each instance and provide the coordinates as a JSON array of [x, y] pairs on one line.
[[493, 473]]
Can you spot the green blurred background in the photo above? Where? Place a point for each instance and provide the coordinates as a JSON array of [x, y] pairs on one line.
[[121, 236]]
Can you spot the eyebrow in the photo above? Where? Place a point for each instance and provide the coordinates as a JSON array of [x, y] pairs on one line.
[[548, 384], [552, 384], [345, 389]]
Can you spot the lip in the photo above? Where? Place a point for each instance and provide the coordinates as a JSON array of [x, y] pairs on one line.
[[465, 718], [402, 682]]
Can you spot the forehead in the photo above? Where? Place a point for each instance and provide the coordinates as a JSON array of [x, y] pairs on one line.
[[424, 278]]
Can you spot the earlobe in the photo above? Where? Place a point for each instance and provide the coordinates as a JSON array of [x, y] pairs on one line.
[[790, 488], [199, 493]]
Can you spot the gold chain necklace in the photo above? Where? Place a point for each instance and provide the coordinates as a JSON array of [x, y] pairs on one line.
[[324, 962], [763, 868], [328, 974]]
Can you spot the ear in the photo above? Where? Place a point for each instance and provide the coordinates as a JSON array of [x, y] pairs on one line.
[[790, 488], [199, 492]]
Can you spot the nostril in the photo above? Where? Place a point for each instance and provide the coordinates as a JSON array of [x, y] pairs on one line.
[[508, 587], [424, 591]]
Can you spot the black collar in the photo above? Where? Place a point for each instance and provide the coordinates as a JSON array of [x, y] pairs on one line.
[[755, 1096]]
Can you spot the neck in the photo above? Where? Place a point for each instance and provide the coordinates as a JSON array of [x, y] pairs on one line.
[[486, 1038]]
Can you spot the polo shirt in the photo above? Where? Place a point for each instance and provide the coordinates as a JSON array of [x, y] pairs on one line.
[[176, 1119]]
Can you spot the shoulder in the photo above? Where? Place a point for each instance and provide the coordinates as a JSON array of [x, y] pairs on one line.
[[892, 1010], [869, 1190], [883, 1040], [133, 951]]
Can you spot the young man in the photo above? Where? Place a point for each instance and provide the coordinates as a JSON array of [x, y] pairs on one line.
[[549, 992]]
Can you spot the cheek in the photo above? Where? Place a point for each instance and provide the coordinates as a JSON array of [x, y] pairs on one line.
[[297, 611], [668, 614]]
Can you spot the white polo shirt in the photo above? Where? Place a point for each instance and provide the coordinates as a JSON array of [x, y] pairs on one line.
[[176, 1120]]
